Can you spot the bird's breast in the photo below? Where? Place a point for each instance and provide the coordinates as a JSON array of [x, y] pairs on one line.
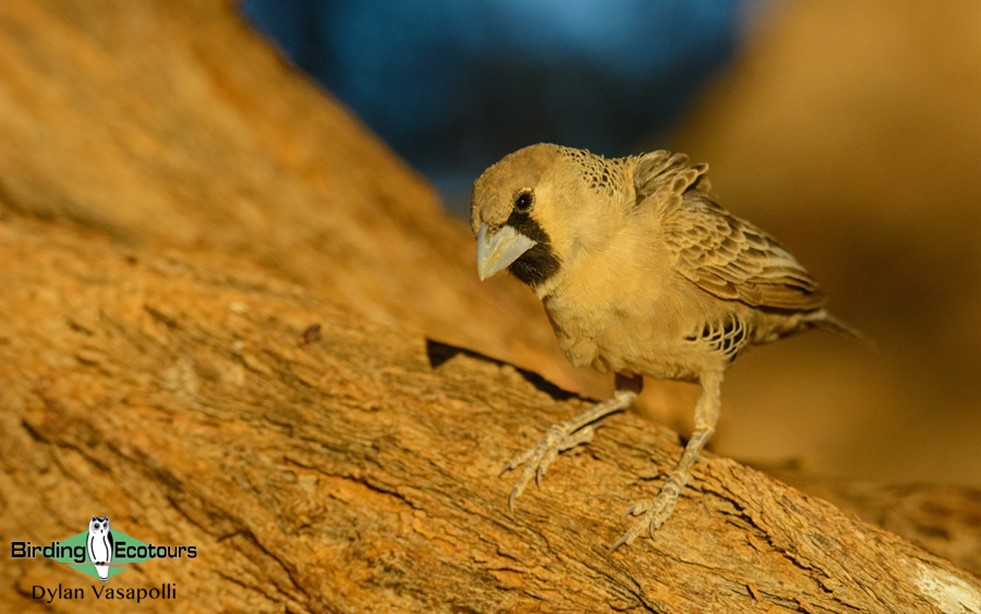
[[623, 337]]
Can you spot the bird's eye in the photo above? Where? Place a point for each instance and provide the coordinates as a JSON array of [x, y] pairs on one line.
[[523, 201]]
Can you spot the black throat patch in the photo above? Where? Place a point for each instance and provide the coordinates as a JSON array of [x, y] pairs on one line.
[[539, 263]]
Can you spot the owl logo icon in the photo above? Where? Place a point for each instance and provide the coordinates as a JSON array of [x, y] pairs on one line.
[[99, 543]]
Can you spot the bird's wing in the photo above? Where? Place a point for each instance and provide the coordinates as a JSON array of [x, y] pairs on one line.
[[718, 252], [732, 259]]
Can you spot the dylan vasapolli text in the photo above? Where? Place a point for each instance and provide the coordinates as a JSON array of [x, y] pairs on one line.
[[165, 591]]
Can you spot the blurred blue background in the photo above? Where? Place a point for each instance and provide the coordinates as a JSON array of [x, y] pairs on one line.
[[452, 86]]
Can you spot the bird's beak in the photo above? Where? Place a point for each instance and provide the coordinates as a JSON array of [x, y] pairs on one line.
[[498, 250]]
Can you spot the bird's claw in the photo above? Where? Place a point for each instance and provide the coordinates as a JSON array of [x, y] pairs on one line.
[[536, 460], [635, 509], [652, 514]]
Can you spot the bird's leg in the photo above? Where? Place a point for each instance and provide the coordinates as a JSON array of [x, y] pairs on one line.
[[569, 434], [654, 512]]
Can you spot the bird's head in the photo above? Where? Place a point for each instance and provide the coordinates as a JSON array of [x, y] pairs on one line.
[[531, 213]]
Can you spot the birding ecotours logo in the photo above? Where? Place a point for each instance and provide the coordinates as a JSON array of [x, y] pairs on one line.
[[100, 552]]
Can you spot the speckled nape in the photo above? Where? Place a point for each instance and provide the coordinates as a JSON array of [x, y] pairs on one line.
[[604, 175]]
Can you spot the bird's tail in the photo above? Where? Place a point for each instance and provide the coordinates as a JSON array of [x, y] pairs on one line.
[[828, 322]]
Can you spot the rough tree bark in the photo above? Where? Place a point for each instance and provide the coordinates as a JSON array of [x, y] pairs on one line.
[[169, 234], [360, 470]]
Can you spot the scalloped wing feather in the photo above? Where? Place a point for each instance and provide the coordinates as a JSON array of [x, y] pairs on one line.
[[661, 179], [720, 253], [732, 259]]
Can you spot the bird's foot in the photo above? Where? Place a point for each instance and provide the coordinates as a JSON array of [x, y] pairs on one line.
[[559, 438], [652, 513]]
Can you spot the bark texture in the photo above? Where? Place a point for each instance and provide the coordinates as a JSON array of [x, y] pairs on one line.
[[230, 318], [358, 469]]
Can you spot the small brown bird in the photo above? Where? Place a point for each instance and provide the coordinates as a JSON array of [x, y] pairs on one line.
[[642, 274]]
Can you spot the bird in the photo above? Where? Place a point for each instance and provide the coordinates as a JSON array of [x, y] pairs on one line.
[[642, 274], [100, 543]]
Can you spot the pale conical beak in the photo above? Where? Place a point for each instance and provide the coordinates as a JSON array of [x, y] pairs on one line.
[[499, 250]]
